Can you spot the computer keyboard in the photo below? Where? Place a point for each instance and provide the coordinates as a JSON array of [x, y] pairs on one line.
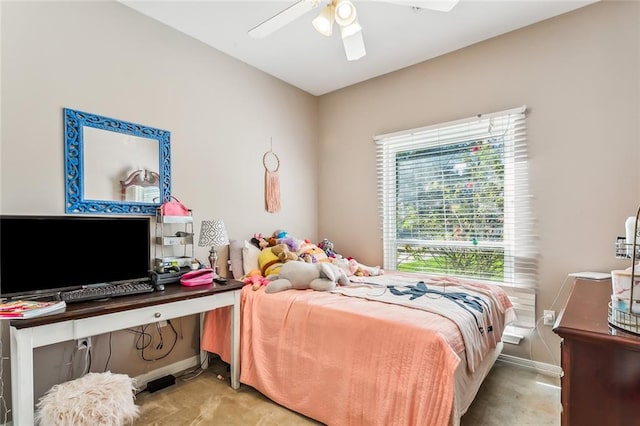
[[105, 291]]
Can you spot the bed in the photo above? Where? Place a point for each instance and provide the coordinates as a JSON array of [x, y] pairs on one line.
[[361, 355]]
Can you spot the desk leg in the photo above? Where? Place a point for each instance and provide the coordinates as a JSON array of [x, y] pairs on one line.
[[235, 341], [22, 405], [204, 355]]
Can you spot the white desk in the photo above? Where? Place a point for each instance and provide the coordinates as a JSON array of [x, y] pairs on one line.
[[92, 318]]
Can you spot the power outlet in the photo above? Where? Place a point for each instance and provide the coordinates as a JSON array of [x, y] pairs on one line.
[[84, 343], [549, 317]]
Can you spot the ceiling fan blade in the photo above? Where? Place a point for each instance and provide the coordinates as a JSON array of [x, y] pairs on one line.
[[439, 5], [354, 46], [288, 15]]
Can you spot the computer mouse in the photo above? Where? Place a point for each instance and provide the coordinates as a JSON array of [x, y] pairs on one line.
[[159, 287]]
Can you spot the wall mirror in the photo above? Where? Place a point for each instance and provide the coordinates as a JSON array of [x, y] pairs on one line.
[[113, 166]]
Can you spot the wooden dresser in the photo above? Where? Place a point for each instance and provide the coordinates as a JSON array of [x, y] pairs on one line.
[[601, 364]]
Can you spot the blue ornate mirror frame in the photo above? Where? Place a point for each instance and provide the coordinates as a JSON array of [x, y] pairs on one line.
[[104, 155]]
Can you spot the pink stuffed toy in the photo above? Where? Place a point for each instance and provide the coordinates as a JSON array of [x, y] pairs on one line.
[[255, 279], [360, 270], [353, 267]]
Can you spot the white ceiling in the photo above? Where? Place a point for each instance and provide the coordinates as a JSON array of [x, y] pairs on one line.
[[395, 36]]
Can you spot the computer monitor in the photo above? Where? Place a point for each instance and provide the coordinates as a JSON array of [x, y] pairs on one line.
[[45, 254]]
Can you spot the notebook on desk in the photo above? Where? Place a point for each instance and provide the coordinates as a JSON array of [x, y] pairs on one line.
[[21, 309]]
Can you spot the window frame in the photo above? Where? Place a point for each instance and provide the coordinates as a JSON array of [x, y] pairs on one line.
[[388, 147]]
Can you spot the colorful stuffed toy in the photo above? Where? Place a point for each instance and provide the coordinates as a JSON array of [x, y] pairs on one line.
[[311, 253], [255, 279], [283, 252], [321, 276], [327, 246], [259, 241], [292, 243], [352, 267], [268, 262]]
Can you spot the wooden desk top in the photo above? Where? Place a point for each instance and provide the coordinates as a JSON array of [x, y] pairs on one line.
[[171, 293], [585, 315]]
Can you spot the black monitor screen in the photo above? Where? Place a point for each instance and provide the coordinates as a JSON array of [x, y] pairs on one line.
[[42, 254]]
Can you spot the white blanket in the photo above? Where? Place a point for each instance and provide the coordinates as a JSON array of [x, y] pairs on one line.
[[475, 308]]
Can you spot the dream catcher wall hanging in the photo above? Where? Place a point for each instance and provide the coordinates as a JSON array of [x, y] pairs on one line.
[[271, 164]]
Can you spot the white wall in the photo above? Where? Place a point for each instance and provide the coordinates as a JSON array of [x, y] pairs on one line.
[[105, 58], [578, 74]]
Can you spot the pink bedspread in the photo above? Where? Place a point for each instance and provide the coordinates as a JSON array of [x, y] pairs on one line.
[[343, 360]]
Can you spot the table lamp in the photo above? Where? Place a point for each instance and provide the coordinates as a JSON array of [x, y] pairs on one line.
[[213, 234]]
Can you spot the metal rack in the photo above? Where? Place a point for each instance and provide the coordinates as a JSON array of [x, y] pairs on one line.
[[165, 243], [621, 314]]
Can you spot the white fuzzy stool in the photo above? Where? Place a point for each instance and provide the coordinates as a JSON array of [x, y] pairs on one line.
[[94, 399]]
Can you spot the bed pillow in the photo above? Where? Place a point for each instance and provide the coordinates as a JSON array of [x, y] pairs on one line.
[[235, 257], [249, 257]]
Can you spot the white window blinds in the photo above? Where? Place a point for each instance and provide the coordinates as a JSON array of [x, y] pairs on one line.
[[454, 199]]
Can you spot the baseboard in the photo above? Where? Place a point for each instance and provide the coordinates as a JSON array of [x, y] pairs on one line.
[[540, 367], [176, 367]]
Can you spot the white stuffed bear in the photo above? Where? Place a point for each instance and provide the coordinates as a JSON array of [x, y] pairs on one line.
[[321, 276]]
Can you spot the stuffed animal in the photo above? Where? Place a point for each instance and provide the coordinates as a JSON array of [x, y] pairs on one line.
[[361, 270], [313, 254], [327, 246], [259, 241], [268, 262], [292, 243], [350, 266], [283, 253], [280, 233], [255, 279], [321, 276]]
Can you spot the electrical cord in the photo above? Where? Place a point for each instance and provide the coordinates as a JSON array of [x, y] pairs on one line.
[[566, 280], [143, 335], [87, 361], [195, 372], [88, 357], [70, 365], [553, 358], [160, 345], [190, 375], [106, 365], [539, 320], [5, 410]]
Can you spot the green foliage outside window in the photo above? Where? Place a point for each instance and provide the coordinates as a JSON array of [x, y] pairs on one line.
[[470, 263], [452, 193]]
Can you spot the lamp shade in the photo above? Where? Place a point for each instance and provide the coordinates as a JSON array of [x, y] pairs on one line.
[[323, 23], [213, 234]]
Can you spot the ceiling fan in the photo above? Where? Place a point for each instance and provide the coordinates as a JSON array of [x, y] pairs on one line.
[[343, 13]]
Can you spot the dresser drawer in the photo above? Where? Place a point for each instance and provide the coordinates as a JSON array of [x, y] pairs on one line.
[[125, 319]]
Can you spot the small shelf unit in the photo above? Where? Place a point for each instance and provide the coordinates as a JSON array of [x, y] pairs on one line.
[[173, 241]]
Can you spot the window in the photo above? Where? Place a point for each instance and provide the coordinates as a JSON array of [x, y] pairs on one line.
[[454, 200]]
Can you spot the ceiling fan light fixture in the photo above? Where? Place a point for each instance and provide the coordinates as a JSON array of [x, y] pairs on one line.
[[323, 23], [345, 12], [351, 29], [354, 46]]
